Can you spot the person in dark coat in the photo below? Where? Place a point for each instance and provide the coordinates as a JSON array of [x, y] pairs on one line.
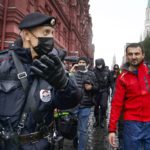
[[115, 72], [28, 97], [105, 82]]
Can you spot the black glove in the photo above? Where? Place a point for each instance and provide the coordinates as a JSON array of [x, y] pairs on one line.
[[51, 69]]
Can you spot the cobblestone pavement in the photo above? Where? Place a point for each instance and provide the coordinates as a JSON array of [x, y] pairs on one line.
[[97, 137]]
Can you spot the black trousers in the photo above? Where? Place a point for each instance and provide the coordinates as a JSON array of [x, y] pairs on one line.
[[100, 109]]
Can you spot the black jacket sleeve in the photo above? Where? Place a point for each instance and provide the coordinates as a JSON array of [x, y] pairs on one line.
[[68, 97], [95, 83]]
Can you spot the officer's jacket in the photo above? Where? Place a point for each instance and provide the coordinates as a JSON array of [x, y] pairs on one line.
[[12, 95], [87, 96]]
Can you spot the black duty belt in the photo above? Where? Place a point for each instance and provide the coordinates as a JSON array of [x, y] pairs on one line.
[[34, 137]]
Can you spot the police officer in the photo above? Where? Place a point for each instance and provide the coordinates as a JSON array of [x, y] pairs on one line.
[[105, 82], [28, 97]]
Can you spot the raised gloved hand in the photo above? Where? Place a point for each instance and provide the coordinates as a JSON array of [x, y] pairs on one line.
[[51, 69]]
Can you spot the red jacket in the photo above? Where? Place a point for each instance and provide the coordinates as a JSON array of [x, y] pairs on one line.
[[131, 96]]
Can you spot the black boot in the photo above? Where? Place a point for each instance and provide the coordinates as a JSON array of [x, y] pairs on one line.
[[96, 124], [75, 142], [102, 124]]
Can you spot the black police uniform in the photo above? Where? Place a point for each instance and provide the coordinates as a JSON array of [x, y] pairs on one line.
[[34, 134]]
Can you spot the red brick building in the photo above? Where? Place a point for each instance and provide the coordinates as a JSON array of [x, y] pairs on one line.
[[73, 29]]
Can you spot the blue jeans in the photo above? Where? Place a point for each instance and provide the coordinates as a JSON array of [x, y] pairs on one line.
[[136, 135], [83, 117]]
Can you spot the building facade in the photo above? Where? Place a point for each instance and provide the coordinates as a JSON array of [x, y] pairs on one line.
[[73, 29]]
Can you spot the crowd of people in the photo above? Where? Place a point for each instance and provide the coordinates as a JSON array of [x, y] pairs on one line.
[[35, 81]]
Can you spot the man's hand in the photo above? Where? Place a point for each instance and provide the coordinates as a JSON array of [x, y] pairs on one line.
[[73, 69], [51, 69], [112, 139]]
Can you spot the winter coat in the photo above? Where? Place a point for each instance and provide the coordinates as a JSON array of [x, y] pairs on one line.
[[87, 96]]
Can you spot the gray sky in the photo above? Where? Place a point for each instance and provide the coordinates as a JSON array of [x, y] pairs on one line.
[[115, 23]]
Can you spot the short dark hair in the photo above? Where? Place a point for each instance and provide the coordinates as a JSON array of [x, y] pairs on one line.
[[83, 58], [135, 45]]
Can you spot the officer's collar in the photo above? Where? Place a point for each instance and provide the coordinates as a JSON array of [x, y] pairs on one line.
[[24, 54]]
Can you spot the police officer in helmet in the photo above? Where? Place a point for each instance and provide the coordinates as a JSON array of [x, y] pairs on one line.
[[29, 97]]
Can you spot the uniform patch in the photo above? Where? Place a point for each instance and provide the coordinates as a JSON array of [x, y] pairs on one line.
[[45, 95]]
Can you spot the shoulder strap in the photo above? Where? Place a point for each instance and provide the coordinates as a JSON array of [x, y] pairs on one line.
[[30, 103], [22, 75]]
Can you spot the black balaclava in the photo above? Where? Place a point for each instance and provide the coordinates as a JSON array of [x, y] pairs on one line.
[[100, 63]]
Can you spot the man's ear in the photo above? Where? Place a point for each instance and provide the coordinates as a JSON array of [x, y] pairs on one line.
[[143, 55], [26, 34]]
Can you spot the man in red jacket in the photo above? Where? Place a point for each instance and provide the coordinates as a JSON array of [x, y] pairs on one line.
[[132, 97]]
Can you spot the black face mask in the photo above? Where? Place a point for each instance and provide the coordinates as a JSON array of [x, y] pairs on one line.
[[45, 45]]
